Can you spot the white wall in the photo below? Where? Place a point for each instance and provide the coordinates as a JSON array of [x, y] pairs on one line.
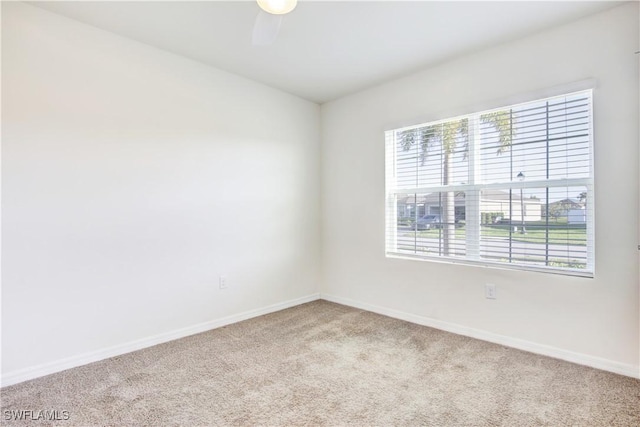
[[131, 179], [589, 320]]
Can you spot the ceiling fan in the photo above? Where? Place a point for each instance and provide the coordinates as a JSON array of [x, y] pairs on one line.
[[269, 20]]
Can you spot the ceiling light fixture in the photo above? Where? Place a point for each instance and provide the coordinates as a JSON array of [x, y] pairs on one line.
[[277, 7]]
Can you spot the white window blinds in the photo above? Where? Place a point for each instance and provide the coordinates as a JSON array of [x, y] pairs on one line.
[[510, 187]]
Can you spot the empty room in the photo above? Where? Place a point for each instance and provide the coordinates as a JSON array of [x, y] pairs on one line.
[[282, 212]]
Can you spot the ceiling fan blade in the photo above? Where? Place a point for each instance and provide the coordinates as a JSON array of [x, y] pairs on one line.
[[266, 28]]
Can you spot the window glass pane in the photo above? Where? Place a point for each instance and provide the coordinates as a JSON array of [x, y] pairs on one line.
[[433, 155], [552, 232], [549, 139], [431, 224]]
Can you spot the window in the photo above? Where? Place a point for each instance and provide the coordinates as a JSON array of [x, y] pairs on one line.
[[510, 187]]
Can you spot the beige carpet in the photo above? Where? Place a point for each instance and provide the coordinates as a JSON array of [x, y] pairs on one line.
[[326, 364]]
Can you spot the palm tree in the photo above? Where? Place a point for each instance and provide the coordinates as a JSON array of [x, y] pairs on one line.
[[449, 135], [503, 122], [452, 135], [582, 197]]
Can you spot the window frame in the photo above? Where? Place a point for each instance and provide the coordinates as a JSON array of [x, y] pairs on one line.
[[391, 211]]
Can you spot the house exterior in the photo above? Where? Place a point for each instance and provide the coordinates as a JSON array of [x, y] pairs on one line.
[[500, 203], [577, 216], [571, 209]]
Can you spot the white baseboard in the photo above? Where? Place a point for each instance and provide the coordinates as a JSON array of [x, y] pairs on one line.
[[545, 350], [26, 374], [117, 350]]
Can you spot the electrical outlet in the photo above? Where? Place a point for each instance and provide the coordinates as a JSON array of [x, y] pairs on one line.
[[222, 281], [490, 291]]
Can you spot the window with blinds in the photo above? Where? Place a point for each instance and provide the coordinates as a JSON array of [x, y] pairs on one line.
[[510, 187]]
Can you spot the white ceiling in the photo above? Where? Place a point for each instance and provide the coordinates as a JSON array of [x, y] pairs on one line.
[[326, 50]]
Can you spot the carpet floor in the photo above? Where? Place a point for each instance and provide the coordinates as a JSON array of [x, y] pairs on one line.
[[326, 364]]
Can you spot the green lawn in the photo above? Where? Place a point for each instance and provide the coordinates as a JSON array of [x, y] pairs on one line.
[[536, 234], [558, 234]]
